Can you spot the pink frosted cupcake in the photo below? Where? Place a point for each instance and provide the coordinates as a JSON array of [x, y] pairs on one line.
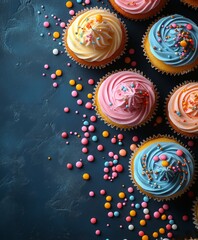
[[125, 99], [139, 9]]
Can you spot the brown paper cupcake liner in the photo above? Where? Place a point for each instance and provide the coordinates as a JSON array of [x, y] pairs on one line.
[[195, 212], [139, 17], [168, 122], [112, 124], [189, 4], [142, 191], [181, 72], [96, 65]]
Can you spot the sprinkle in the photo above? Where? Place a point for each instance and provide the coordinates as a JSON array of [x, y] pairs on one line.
[[68, 4]]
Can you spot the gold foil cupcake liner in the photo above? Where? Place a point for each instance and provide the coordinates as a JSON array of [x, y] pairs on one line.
[[151, 196], [112, 124], [171, 125], [195, 212], [131, 16], [144, 38], [87, 64], [189, 4]]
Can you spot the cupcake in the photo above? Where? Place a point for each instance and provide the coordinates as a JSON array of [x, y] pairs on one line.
[[138, 10], [95, 37], [162, 168], [171, 45], [125, 99], [195, 213], [191, 3], [182, 109]]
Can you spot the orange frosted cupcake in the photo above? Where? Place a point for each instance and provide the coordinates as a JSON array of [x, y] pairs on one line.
[[95, 37], [138, 10], [191, 3], [171, 45], [182, 109]]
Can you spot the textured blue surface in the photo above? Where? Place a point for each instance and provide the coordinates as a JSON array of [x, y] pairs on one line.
[[41, 199]]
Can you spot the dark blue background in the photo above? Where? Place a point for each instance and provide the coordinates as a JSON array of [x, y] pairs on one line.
[[41, 199]]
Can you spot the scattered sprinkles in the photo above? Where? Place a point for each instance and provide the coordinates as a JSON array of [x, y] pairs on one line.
[[120, 203]]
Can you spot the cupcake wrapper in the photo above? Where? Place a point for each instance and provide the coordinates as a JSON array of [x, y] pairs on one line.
[[181, 133], [121, 127], [88, 65], [189, 4], [131, 16], [148, 59], [175, 195], [194, 212]]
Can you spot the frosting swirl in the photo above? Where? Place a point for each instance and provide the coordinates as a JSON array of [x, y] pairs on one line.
[[138, 6], [95, 35], [163, 168], [183, 108], [174, 40], [126, 98]]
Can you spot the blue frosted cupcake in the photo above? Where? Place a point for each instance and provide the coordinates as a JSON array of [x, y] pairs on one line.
[[162, 168], [171, 44]]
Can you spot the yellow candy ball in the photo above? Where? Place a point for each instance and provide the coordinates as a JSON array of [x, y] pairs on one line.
[[59, 72], [105, 134], [155, 234], [86, 176], [79, 87], [142, 222], [107, 205], [121, 195], [162, 230], [165, 163], [108, 198], [99, 18], [56, 34], [183, 43], [89, 95], [72, 82], [145, 237], [132, 213], [69, 4]]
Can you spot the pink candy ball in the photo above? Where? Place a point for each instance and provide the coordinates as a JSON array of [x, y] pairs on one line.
[[100, 147], [165, 206], [110, 214], [85, 150], [93, 220], [91, 128], [90, 81], [102, 192], [93, 118], [144, 204], [128, 218], [79, 164], [74, 93], [88, 105], [90, 158], [98, 232], [71, 12], [84, 141], [69, 166], [91, 194], [179, 152], [64, 135], [46, 24], [66, 109], [62, 24], [130, 189], [119, 168], [156, 214]]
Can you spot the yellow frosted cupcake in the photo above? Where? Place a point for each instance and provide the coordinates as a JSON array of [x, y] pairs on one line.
[[171, 45], [195, 213], [162, 168], [139, 9], [95, 37]]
